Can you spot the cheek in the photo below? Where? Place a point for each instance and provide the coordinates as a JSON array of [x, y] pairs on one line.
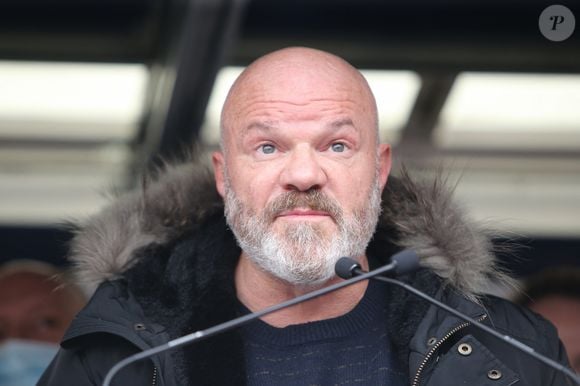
[[254, 186], [352, 183]]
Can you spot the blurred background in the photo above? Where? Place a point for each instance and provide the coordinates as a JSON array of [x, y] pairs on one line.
[[94, 92]]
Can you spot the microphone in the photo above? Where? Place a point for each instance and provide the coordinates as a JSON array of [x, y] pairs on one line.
[[403, 262], [398, 265], [348, 268]]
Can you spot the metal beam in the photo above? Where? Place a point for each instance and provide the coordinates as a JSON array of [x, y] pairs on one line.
[[425, 112], [198, 34]]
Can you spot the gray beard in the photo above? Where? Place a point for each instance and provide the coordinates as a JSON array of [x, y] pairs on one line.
[[302, 255]]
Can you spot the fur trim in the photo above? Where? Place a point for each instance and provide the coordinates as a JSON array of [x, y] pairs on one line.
[[164, 209], [427, 220], [419, 216]]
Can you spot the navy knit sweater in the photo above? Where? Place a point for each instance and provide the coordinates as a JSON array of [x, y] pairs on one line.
[[353, 349]]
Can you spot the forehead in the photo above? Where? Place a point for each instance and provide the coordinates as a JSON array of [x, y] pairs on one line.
[[26, 291], [292, 81], [23, 284], [272, 126], [299, 96]]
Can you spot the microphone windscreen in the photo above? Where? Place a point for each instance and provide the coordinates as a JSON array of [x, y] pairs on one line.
[[345, 266], [407, 261]]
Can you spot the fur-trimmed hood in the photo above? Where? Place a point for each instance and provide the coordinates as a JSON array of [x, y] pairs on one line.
[[417, 215]]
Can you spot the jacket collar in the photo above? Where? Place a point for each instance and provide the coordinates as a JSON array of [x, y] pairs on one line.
[[169, 243], [417, 215]]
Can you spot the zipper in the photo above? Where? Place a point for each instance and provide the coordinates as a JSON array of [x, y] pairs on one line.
[[154, 382], [436, 347]]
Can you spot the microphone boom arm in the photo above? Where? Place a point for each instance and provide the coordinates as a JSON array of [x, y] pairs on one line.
[[234, 323]]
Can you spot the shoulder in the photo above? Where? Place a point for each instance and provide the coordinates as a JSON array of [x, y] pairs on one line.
[[109, 329], [88, 360], [533, 330], [109, 309], [519, 321]]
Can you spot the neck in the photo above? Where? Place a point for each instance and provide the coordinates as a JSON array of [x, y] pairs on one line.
[[257, 290]]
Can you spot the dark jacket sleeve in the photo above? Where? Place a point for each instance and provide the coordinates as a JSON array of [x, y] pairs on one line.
[[87, 363], [562, 358]]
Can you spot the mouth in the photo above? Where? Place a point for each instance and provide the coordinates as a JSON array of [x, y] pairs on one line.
[[303, 213]]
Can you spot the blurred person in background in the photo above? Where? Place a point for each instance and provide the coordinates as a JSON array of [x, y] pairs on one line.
[[37, 304], [555, 294]]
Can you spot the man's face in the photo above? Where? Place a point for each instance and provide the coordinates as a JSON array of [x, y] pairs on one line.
[[33, 308], [302, 175]]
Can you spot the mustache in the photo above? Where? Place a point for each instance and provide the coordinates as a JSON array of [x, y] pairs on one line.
[[313, 199]]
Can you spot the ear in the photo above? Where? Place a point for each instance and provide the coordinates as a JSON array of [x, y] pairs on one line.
[[218, 161], [385, 162]]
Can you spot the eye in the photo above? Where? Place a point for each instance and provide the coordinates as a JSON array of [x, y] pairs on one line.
[[45, 323], [267, 149], [338, 147], [48, 322]]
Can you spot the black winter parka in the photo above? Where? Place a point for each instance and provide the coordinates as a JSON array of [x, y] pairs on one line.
[[161, 264]]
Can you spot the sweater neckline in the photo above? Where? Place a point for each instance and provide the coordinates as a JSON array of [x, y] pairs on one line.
[[367, 311]]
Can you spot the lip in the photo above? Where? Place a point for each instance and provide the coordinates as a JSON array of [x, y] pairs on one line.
[[304, 213]]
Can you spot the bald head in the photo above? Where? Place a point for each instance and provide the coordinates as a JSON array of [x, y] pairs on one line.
[[296, 76], [300, 123]]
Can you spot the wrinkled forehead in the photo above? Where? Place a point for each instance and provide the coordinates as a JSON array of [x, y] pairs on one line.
[[299, 85]]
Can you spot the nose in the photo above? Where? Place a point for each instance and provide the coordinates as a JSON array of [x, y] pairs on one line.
[[303, 171]]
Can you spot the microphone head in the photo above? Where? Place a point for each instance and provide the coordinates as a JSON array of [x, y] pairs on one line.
[[407, 261], [345, 266]]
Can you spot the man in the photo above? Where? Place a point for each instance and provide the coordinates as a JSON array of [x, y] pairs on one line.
[[37, 304], [301, 173]]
